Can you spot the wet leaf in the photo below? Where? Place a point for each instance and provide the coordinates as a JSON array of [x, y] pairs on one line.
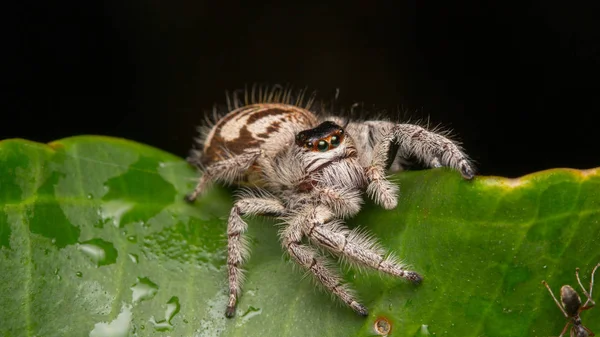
[[96, 240]]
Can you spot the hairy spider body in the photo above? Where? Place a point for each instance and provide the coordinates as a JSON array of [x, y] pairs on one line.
[[310, 171]]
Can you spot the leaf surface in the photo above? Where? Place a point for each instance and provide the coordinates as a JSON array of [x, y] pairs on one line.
[[96, 240]]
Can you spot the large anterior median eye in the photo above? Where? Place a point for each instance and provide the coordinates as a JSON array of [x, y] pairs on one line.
[[335, 141], [322, 146]]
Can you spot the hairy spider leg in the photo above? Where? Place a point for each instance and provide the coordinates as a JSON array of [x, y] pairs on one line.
[[433, 149], [237, 247], [309, 259], [225, 170], [357, 247]]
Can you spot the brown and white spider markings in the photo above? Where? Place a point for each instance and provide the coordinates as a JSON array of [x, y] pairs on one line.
[[310, 170]]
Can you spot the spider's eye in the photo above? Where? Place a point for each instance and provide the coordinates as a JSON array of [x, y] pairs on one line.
[[335, 141], [322, 146], [341, 132], [309, 144]]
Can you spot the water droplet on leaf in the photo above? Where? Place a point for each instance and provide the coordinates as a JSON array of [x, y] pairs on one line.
[[144, 289], [120, 327], [134, 258], [99, 251], [113, 211], [425, 330], [248, 314], [173, 308]]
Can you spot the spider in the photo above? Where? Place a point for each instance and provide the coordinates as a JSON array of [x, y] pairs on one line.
[[571, 306], [310, 171]]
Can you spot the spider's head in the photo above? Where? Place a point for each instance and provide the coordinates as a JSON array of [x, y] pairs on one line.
[[326, 136]]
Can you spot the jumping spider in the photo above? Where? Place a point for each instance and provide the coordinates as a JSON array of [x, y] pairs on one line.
[[310, 170], [571, 306]]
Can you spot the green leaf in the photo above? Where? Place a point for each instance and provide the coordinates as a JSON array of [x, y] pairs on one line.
[[96, 240]]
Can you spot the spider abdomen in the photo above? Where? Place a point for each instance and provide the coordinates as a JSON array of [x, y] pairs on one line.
[[252, 127]]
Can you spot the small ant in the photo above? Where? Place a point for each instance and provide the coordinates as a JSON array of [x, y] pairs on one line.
[[571, 306]]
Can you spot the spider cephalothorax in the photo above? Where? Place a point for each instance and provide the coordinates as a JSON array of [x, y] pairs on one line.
[[310, 171], [324, 137]]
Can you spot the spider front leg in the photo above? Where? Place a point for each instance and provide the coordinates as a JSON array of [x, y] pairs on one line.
[[433, 149], [381, 190], [237, 247], [225, 170], [309, 259], [358, 247], [342, 201]]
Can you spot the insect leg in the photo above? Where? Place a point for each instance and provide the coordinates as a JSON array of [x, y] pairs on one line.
[[590, 302], [571, 332], [555, 300]]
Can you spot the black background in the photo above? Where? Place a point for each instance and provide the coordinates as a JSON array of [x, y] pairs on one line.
[[517, 83]]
